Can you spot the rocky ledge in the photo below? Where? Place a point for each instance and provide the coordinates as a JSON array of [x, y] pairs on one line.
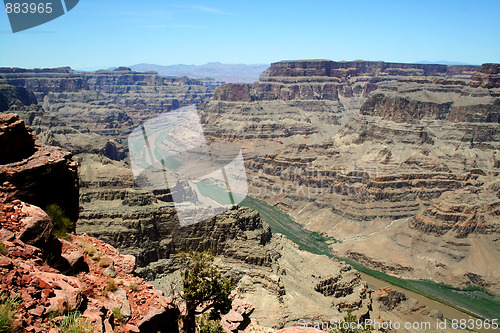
[[100, 282], [39, 174]]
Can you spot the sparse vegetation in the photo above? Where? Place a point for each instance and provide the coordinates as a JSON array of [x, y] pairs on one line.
[[133, 286], [7, 310], [3, 249], [205, 325], [203, 285], [350, 325], [117, 312], [62, 224], [92, 252], [103, 262], [111, 286], [75, 323]]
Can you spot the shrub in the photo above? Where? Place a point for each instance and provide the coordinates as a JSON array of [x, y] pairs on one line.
[[92, 252], [349, 325], [111, 286], [206, 325], [203, 284], [74, 323], [133, 286], [117, 312], [7, 309], [103, 263], [3, 249], [62, 224]]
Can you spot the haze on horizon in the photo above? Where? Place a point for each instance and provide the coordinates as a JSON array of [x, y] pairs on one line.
[[98, 34]]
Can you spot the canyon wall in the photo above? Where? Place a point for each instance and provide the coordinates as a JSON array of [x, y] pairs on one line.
[[398, 161]]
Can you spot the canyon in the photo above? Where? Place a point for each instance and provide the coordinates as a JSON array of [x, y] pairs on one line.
[[397, 162]]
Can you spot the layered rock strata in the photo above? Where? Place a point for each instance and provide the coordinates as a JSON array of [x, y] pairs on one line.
[[93, 112], [282, 282], [363, 149]]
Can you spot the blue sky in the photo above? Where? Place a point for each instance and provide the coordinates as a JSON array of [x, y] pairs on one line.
[[105, 33]]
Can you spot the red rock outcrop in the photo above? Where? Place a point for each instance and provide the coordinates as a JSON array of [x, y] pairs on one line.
[[389, 297], [16, 142], [39, 174], [44, 290]]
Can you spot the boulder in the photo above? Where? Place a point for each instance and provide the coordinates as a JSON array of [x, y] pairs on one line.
[[389, 297], [36, 226], [16, 141]]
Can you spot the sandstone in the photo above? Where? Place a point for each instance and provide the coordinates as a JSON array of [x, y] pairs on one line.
[[110, 271], [389, 298], [67, 290], [74, 257], [118, 300], [129, 328], [38, 311], [16, 141], [5, 262], [381, 156], [37, 226]]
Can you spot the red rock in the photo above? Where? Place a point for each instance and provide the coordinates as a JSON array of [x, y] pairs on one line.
[[20, 254], [48, 269], [37, 227], [28, 301], [67, 296], [129, 328], [233, 316], [38, 311], [43, 284], [5, 262], [108, 327], [118, 299], [48, 292], [26, 279]]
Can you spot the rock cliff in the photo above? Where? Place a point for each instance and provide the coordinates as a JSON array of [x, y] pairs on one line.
[[35, 173], [397, 160], [47, 278], [93, 112], [282, 282]]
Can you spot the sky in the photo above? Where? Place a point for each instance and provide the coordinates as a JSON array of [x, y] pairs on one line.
[[106, 33]]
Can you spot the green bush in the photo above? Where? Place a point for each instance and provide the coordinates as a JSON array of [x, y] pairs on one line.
[[62, 224], [344, 326], [206, 325], [203, 284], [74, 323], [117, 312], [3, 249], [7, 309]]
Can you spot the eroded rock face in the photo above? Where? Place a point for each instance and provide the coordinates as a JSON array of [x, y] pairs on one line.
[[16, 142], [269, 272], [105, 102], [389, 298], [392, 306], [396, 160], [39, 174]]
